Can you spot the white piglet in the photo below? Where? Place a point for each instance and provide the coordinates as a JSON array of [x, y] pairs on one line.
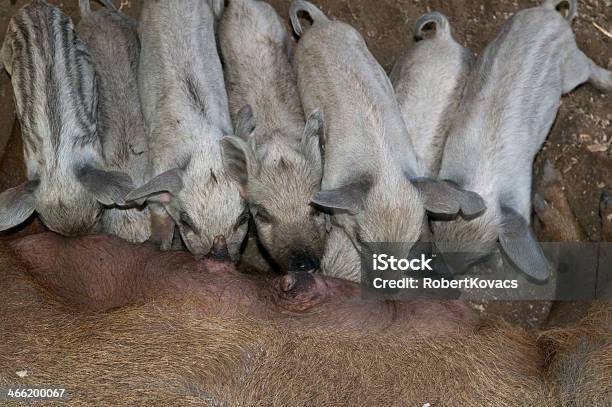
[[186, 114], [275, 155], [115, 49], [371, 179], [428, 81], [507, 110]]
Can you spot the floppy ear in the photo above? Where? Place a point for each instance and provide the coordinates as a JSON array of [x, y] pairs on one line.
[[519, 244], [169, 181], [17, 204], [347, 198], [245, 123], [108, 187], [238, 159], [312, 138], [447, 199]]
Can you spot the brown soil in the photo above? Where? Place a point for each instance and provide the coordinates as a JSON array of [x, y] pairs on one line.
[[578, 146]]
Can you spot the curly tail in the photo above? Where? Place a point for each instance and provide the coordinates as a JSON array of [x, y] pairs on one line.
[[572, 6], [85, 6], [301, 5], [438, 19]]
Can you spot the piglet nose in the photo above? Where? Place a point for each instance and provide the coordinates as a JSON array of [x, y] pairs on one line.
[[219, 251], [303, 261]]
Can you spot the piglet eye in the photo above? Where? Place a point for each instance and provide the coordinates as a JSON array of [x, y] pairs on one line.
[[244, 218], [186, 220], [262, 216], [315, 213]]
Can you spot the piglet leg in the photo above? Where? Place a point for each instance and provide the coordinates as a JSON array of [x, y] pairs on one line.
[[553, 209]]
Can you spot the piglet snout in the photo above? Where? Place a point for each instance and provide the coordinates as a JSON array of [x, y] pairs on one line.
[[219, 251]]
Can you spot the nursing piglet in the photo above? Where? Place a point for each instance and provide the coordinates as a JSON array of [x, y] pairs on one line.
[[275, 155], [115, 48], [55, 89], [509, 106]]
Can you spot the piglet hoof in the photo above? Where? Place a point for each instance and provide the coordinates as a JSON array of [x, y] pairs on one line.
[[540, 206], [552, 208], [300, 291], [219, 251]]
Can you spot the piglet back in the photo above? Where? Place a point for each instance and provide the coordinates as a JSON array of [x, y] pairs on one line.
[[54, 84], [52, 76]]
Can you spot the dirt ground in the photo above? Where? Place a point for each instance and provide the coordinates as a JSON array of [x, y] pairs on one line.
[[579, 145]]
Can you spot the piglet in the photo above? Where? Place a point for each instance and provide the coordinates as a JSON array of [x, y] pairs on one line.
[[372, 184], [507, 110], [275, 155], [115, 48], [55, 89], [186, 114], [428, 81]]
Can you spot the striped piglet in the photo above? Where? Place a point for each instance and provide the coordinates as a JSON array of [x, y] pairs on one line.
[[56, 100]]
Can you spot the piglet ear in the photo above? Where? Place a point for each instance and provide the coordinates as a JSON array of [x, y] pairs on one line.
[[17, 205], [444, 198], [238, 159], [108, 187], [169, 181], [346, 198], [519, 244]]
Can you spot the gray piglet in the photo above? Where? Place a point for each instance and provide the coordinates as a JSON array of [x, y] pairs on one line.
[[54, 84], [508, 108], [428, 81], [112, 38]]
